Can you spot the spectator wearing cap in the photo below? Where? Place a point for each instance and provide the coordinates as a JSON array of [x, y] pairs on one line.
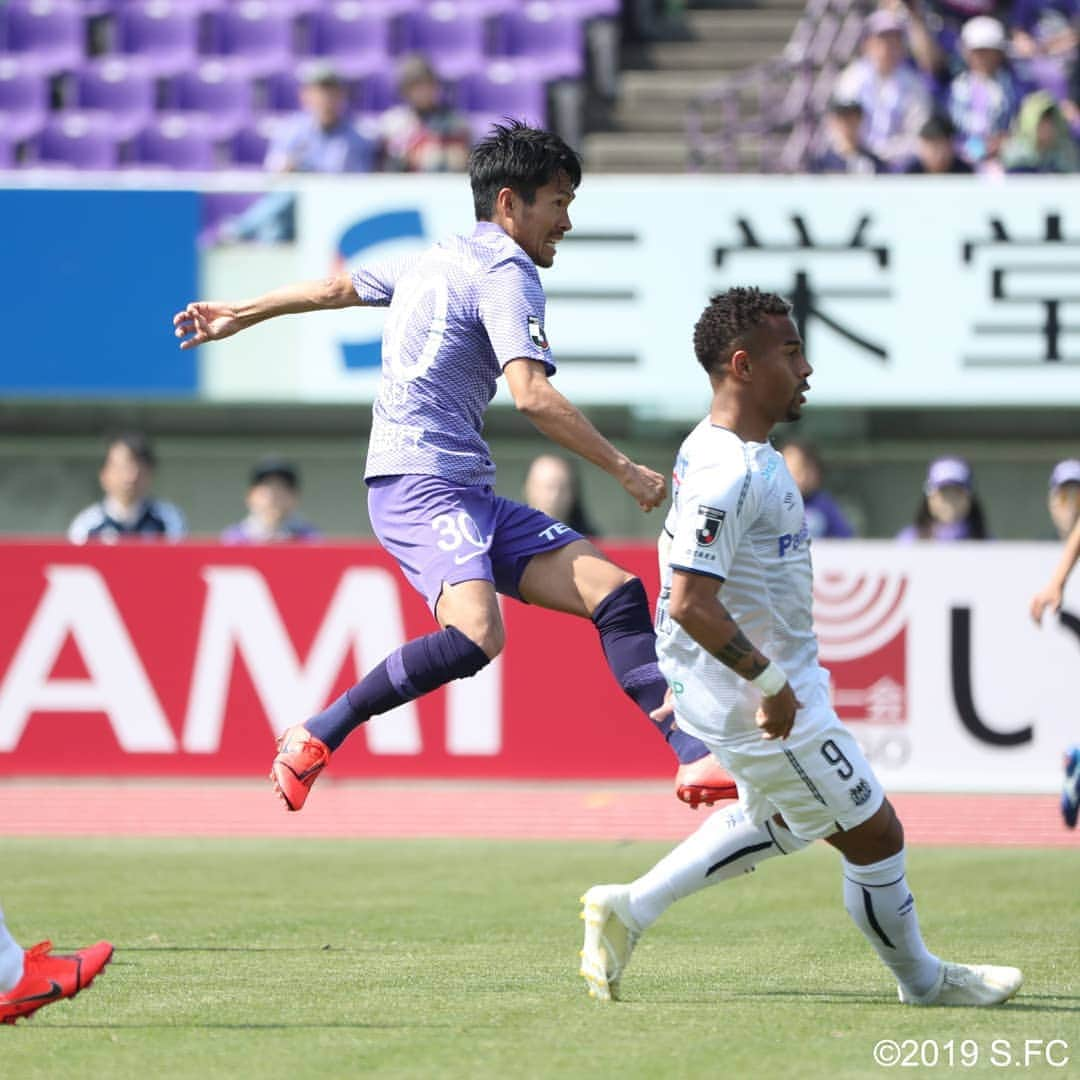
[[845, 152], [273, 499], [893, 95], [936, 150], [321, 139], [824, 519], [1063, 501], [983, 98], [1041, 141], [423, 134], [949, 508], [127, 509]]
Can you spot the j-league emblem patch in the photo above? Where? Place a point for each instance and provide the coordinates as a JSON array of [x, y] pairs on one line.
[[710, 521], [536, 332]]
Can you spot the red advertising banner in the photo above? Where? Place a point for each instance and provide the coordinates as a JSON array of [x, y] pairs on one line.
[[157, 660]]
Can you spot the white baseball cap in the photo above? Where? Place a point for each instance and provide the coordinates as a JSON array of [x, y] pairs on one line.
[[983, 32]]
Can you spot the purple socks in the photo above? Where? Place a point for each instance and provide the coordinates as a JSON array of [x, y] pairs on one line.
[[407, 673], [626, 633]]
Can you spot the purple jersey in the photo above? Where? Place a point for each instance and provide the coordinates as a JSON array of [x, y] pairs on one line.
[[458, 314]]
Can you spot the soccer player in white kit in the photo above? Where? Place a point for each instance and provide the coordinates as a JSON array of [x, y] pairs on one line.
[[735, 641]]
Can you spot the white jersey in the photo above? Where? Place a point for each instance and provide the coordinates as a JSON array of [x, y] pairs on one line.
[[737, 516]]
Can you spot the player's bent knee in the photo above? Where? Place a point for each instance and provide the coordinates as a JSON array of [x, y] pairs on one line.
[[489, 637]]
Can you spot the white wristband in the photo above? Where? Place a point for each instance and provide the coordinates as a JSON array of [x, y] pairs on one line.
[[771, 681]]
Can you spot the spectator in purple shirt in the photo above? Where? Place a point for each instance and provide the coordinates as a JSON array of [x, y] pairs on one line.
[[1043, 36], [321, 139], [273, 499], [983, 98], [949, 509], [893, 94], [824, 518]]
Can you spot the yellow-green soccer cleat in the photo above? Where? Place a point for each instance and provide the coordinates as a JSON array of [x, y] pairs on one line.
[[610, 937]]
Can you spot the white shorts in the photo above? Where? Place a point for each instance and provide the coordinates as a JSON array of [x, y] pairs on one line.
[[817, 778]]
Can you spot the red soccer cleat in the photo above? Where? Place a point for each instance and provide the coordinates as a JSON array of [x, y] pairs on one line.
[[704, 781], [48, 978], [300, 758]]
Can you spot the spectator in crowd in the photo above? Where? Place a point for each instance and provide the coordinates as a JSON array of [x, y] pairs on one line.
[[950, 509], [936, 149], [321, 139], [845, 152], [893, 94], [1064, 499], [1043, 39], [424, 134], [824, 518], [273, 501], [552, 486], [983, 98], [127, 510], [1041, 141], [946, 18]]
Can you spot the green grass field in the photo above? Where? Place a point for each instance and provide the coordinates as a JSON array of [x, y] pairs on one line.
[[447, 959]]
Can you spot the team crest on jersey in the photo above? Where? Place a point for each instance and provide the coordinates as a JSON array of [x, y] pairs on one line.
[[536, 332], [710, 521]]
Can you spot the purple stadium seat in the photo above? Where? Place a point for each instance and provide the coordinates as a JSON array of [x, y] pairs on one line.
[[24, 100], [50, 35], [378, 91], [283, 91], [164, 33], [250, 144], [352, 36], [219, 91], [78, 142], [7, 152], [257, 33], [593, 9], [548, 35], [449, 35], [504, 89], [120, 87], [176, 142]]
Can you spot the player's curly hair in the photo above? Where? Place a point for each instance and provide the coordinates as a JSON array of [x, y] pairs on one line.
[[521, 158], [725, 323]]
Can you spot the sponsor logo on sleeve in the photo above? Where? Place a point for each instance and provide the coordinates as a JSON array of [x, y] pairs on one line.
[[536, 332], [710, 520]]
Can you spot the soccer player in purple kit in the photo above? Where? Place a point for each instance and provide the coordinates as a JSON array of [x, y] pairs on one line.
[[460, 314]]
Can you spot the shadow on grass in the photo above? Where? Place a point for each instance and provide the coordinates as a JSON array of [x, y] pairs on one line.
[[1041, 1003], [239, 1025]]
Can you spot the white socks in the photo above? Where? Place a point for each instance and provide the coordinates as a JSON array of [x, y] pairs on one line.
[[878, 900], [725, 846], [11, 959]]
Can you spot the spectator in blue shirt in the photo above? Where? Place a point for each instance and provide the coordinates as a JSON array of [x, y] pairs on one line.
[[845, 152], [127, 509], [824, 518], [321, 140]]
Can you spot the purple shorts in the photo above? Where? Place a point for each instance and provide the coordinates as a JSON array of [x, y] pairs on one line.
[[445, 533]]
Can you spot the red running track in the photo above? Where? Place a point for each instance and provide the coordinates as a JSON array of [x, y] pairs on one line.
[[578, 811]]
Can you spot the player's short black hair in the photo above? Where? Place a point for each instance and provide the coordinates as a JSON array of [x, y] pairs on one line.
[[728, 319], [136, 442], [521, 158]]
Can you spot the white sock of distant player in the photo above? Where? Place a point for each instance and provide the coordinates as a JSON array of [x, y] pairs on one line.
[[11, 958], [879, 901], [726, 845]]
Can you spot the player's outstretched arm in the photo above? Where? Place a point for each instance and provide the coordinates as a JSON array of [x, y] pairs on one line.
[[1051, 595], [562, 422], [213, 320], [695, 606]]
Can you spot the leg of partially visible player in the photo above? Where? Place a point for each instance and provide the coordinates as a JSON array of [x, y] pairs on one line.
[[578, 580], [33, 978]]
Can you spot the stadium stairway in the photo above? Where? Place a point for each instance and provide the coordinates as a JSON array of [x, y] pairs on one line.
[[645, 129]]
